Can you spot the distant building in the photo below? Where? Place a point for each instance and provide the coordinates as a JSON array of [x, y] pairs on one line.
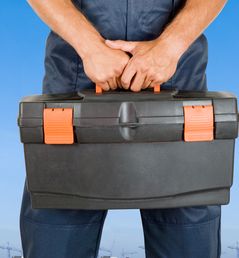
[[17, 257]]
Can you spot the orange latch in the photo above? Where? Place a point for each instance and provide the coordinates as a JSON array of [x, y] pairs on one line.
[[58, 125], [198, 123], [98, 89], [157, 89]]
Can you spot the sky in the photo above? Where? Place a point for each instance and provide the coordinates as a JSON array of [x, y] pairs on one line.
[[22, 44]]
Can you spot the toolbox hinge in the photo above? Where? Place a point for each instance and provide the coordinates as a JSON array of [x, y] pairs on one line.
[[58, 126], [198, 123]]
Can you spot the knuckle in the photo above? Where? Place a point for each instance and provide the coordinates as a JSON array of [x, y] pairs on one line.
[[151, 73], [144, 68], [118, 71], [111, 76], [101, 79], [160, 78], [124, 62], [138, 62]]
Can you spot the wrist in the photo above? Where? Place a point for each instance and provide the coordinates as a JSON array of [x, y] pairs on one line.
[[88, 43], [173, 44]]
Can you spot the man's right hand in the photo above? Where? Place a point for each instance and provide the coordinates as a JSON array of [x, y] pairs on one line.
[[104, 66]]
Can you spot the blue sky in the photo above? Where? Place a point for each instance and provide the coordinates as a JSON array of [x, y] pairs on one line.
[[22, 43]]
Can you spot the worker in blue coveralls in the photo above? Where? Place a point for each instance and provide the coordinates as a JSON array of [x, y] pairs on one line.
[[131, 44]]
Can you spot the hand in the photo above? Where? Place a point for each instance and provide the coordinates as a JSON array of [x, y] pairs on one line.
[[104, 65], [153, 63]]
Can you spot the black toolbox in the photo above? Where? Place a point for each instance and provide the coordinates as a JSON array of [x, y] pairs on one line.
[[121, 150]]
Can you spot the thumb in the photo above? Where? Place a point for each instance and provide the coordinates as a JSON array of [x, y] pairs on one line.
[[127, 46]]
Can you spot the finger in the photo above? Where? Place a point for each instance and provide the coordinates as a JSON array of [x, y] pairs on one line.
[[112, 84], [128, 75], [146, 83], [115, 81], [126, 46], [148, 80], [118, 80], [105, 86], [138, 82]]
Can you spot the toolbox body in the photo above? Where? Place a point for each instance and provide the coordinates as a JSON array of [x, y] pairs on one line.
[[121, 150]]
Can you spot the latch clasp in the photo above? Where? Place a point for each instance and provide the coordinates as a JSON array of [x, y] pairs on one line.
[[58, 126], [198, 123]]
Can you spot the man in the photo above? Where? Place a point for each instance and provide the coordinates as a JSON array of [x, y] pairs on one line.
[[133, 44]]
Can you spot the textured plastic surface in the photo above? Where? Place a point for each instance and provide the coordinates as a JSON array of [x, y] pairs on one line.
[[129, 151]]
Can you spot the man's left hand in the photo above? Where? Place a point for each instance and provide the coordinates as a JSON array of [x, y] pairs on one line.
[[152, 63]]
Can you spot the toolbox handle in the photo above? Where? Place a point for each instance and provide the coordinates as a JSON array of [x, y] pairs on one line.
[[77, 95], [99, 90]]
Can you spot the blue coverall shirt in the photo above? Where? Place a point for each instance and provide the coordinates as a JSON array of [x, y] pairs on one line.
[[169, 233]]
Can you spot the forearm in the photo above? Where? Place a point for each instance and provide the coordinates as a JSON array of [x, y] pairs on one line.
[[68, 22], [190, 22]]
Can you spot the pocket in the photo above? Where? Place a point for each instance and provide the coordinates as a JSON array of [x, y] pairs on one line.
[[155, 16]]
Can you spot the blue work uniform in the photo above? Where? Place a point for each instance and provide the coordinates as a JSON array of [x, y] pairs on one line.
[[169, 233]]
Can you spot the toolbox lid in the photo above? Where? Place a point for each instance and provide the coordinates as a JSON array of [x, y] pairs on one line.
[[123, 116]]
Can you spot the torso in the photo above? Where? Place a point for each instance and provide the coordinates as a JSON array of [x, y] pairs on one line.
[[132, 20]]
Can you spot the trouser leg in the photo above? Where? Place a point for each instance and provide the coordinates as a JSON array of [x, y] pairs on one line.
[[48, 233], [182, 233]]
